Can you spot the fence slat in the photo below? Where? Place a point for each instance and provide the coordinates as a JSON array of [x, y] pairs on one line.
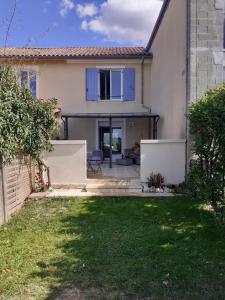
[[15, 187]]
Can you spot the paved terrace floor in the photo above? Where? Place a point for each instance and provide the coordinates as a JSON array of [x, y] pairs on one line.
[[117, 181], [116, 172]]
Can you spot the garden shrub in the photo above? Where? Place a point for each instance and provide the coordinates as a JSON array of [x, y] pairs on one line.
[[26, 123], [207, 131]]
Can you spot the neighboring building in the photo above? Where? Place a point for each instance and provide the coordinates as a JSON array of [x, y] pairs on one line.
[[187, 48], [130, 88]]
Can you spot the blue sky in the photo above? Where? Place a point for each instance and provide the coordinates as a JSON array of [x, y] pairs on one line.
[[65, 23]]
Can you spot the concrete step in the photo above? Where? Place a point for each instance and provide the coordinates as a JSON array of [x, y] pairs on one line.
[[119, 184], [62, 193]]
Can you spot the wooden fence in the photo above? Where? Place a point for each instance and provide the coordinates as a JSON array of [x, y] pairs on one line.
[[15, 187]]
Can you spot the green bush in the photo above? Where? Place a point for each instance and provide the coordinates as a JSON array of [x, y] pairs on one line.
[[207, 131], [26, 123]]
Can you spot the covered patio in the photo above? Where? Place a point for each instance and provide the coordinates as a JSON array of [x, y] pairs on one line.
[[150, 117]]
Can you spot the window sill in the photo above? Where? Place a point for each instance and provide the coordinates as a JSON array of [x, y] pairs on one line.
[[108, 101]]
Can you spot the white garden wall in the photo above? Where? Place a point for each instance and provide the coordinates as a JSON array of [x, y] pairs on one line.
[[67, 162], [163, 156]]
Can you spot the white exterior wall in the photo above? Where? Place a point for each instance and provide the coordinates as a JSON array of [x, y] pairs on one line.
[[66, 81], [67, 162], [168, 72], [166, 157]]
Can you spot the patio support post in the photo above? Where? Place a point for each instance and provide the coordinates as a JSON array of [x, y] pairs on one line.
[[110, 142], [155, 123], [154, 129], [66, 135], [149, 128]]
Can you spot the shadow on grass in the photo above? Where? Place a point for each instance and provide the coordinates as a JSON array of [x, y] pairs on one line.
[[135, 248]]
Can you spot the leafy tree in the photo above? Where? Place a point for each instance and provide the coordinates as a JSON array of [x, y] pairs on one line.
[[26, 123], [207, 129]]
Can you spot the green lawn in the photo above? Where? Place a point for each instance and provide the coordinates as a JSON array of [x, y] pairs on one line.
[[113, 248]]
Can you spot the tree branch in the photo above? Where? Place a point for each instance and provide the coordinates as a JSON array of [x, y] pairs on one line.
[[10, 24]]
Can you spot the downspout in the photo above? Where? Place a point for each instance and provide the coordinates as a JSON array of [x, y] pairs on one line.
[[142, 84], [142, 80], [110, 142], [188, 53]]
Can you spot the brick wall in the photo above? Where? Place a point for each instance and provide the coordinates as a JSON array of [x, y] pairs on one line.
[[206, 45]]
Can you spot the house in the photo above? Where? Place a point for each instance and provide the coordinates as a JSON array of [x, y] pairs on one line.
[[134, 93], [93, 85]]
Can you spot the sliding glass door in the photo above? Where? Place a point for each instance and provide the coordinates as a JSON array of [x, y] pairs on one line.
[[104, 141]]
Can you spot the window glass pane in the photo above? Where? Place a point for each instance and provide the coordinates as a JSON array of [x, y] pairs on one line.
[[104, 142], [104, 84], [224, 34], [117, 140], [24, 78], [33, 83], [116, 85]]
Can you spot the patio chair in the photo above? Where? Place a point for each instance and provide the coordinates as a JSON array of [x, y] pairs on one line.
[[98, 153], [94, 164], [94, 161]]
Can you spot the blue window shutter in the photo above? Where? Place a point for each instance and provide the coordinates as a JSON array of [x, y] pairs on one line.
[[129, 84], [92, 84], [116, 85]]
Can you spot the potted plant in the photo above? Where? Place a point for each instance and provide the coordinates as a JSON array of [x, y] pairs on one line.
[[156, 182]]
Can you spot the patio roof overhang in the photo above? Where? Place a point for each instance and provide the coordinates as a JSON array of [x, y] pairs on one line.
[[150, 116], [112, 115]]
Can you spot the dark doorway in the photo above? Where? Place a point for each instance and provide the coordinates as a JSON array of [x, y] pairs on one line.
[[104, 141], [104, 84]]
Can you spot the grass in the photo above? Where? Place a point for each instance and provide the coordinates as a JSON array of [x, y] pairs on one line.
[[113, 248]]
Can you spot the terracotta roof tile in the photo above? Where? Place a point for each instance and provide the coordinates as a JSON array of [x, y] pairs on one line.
[[78, 52]]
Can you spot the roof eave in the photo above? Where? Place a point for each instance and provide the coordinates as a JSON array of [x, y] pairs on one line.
[[145, 55], [158, 23], [112, 115]]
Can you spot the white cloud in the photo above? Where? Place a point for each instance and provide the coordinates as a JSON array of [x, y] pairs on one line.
[[84, 25], [65, 7], [47, 4], [125, 21], [87, 10]]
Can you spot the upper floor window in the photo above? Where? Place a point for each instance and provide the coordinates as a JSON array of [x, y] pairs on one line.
[[110, 84], [29, 79]]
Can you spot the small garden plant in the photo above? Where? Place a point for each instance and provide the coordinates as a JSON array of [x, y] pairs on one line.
[[156, 181]]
